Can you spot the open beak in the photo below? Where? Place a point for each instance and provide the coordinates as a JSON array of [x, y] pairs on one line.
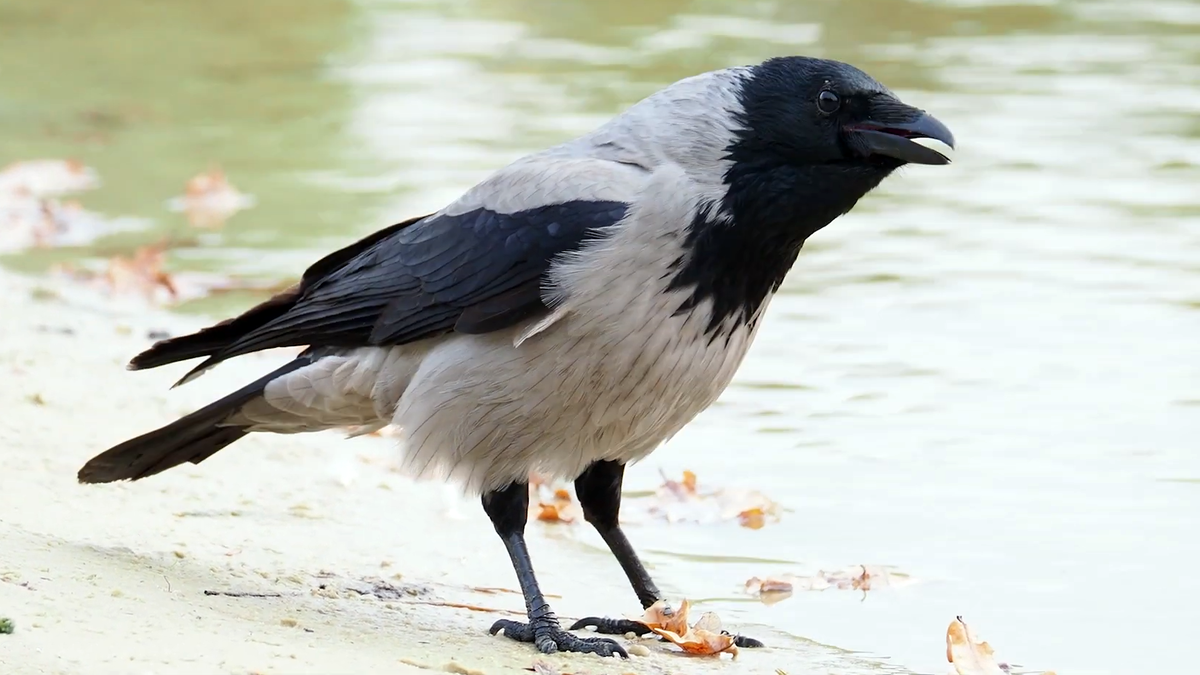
[[921, 140]]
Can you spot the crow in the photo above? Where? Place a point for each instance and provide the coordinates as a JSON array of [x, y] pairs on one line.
[[569, 313]]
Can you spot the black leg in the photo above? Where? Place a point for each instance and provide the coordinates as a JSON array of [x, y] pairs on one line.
[[599, 492], [508, 509]]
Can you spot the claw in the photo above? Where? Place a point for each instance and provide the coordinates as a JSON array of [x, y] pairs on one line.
[[549, 638]]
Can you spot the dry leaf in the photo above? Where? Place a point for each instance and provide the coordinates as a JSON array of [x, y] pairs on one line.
[[704, 637], [969, 655], [48, 177], [754, 585], [209, 199], [683, 501], [856, 577], [551, 503], [753, 518], [770, 590], [659, 615]]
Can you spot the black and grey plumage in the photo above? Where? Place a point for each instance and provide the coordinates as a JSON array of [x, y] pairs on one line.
[[569, 313]]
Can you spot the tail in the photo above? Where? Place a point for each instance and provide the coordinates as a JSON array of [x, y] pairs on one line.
[[193, 438]]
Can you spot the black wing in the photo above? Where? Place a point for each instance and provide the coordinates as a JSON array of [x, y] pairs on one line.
[[473, 272]]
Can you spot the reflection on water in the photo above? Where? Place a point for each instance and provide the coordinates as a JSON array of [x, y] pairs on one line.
[[986, 375]]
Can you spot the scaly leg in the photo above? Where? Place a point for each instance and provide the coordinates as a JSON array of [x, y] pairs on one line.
[[599, 492], [509, 509]]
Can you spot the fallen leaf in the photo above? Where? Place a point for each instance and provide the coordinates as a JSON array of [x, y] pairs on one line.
[[542, 667], [48, 177], [209, 199], [704, 637], [684, 501], [549, 513], [660, 615], [552, 503], [969, 655], [753, 518], [863, 578], [700, 641]]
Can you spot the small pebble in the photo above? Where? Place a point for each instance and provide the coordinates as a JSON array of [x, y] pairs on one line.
[[180, 554], [288, 622], [116, 593], [638, 650]]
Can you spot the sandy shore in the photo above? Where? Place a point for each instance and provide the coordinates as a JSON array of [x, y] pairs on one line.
[[356, 564]]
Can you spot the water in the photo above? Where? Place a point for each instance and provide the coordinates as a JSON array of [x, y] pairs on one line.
[[985, 376]]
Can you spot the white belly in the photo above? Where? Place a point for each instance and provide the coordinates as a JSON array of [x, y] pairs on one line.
[[592, 386]]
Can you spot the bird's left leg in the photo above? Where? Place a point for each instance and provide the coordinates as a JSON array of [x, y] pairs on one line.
[[599, 492], [508, 509]]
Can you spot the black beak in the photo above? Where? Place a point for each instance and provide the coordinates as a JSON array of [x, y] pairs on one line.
[[919, 140]]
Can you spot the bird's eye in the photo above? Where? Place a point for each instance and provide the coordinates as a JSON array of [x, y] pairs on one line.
[[828, 102]]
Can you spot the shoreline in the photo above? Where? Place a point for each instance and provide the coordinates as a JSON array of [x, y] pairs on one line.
[[304, 553]]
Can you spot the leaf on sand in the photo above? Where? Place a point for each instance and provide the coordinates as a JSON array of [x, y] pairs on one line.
[[705, 637], [683, 501], [659, 615], [209, 199], [542, 667]]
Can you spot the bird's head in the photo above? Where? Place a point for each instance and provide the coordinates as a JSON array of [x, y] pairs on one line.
[[817, 135]]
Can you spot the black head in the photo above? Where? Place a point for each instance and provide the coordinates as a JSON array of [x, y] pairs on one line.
[[800, 111], [816, 135]]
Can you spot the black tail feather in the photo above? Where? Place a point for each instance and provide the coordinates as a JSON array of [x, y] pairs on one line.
[[193, 438]]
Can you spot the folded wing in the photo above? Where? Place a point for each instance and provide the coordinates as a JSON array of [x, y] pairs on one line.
[[473, 268]]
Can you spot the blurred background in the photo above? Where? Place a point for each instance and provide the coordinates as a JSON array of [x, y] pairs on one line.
[[986, 378]]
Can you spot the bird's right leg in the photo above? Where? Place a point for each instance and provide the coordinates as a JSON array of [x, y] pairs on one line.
[[599, 492], [508, 509]]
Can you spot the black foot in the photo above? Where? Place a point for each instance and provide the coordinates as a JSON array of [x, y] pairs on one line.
[[550, 638], [606, 626]]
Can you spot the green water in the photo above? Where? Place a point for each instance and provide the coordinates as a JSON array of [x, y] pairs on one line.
[[985, 375]]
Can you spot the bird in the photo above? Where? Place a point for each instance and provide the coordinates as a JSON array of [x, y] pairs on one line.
[[567, 314]]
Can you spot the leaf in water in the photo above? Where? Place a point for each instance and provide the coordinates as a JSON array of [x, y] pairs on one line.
[[683, 501], [754, 518], [48, 177], [551, 503], [969, 655], [142, 274], [856, 577], [770, 590], [209, 199]]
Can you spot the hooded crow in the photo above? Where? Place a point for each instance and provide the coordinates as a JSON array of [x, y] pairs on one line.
[[569, 313]]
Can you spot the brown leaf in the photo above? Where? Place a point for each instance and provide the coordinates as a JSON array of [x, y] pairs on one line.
[[659, 615], [683, 501], [753, 518], [48, 177], [969, 655], [704, 637], [701, 642], [549, 513], [770, 590], [551, 503], [209, 199]]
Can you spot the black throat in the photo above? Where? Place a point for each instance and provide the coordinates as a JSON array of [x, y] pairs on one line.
[[738, 251]]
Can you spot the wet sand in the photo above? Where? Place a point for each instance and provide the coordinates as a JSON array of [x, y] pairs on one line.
[[278, 555]]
